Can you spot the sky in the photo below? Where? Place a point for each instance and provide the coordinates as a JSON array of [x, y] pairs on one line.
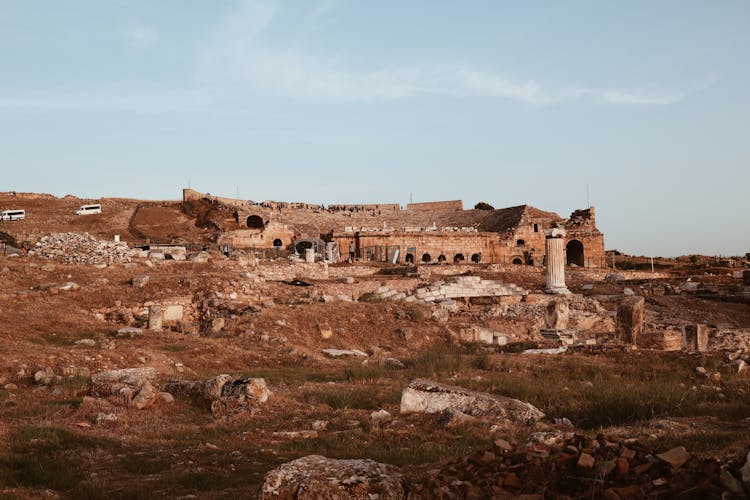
[[639, 108]]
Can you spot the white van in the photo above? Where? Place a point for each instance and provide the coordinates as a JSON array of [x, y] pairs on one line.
[[13, 215], [89, 209]]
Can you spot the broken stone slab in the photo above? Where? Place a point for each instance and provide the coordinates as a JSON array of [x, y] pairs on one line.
[[102, 381], [675, 457], [318, 477], [696, 337], [556, 314], [140, 281], [296, 434], [555, 350], [129, 331], [630, 315], [130, 386], [221, 392], [155, 318], [342, 353], [426, 396]]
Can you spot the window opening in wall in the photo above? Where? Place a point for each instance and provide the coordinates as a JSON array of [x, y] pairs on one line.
[[441, 258], [520, 243], [426, 257], [459, 257], [476, 258], [536, 228]]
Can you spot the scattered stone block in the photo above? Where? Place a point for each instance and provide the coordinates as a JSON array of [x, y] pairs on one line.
[[140, 281], [556, 314], [155, 318], [343, 353], [425, 396], [630, 315], [696, 337], [675, 457], [317, 477]]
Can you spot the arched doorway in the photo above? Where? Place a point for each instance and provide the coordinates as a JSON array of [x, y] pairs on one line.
[[520, 243], [409, 258], [441, 258], [426, 257], [476, 258], [255, 222], [458, 258], [574, 253], [277, 243], [517, 261]]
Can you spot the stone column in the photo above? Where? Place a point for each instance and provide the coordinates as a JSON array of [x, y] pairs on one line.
[[309, 255], [155, 318], [554, 246]]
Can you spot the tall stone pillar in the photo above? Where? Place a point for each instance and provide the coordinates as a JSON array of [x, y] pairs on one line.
[[554, 246]]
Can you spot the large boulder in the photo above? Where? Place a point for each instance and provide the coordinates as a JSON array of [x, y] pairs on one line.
[[426, 396], [321, 478]]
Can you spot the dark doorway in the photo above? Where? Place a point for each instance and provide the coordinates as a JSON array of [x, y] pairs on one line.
[[426, 257], [409, 259], [441, 258], [476, 258], [574, 253], [458, 258], [255, 222]]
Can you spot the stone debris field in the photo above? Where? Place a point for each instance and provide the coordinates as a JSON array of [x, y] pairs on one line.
[[152, 351]]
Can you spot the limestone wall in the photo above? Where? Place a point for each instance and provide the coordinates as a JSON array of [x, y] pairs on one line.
[[437, 205]]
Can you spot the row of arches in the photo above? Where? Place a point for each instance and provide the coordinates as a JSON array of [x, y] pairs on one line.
[[457, 259]]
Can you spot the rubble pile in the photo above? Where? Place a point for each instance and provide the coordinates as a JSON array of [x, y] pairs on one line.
[[577, 466], [80, 248]]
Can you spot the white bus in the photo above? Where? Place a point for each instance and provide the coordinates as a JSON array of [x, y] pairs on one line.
[[89, 209], [13, 215]]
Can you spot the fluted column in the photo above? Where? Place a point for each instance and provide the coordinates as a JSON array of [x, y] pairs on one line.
[[554, 248]]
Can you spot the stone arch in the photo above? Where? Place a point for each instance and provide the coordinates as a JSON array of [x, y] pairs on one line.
[[303, 245], [426, 257], [517, 261], [441, 258], [574, 253], [409, 259], [476, 258], [278, 243], [458, 258], [255, 222]]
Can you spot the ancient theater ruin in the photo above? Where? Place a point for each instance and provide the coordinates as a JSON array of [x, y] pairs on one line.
[[422, 233]]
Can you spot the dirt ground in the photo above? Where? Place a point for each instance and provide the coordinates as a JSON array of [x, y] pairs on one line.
[[56, 440]]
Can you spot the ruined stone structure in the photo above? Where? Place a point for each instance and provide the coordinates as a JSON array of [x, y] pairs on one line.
[[431, 232]]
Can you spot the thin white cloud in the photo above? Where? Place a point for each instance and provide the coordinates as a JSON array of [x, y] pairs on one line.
[[142, 36], [236, 54]]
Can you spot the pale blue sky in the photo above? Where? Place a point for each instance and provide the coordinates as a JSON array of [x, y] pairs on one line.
[[336, 101]]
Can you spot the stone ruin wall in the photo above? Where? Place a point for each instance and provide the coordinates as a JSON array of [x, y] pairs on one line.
[[258, 238], [437, 205]]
